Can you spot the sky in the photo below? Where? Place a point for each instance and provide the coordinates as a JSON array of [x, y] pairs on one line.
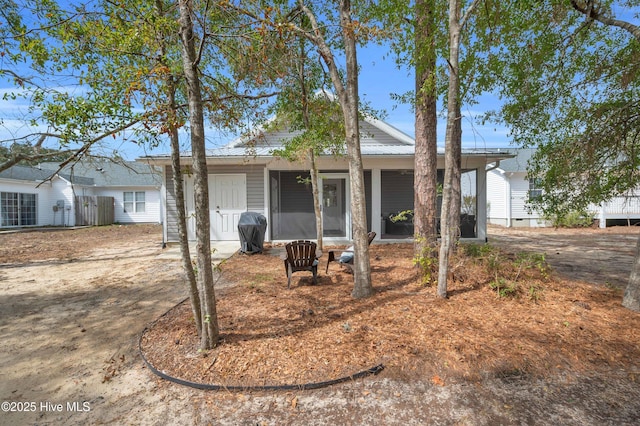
[[379, 79]]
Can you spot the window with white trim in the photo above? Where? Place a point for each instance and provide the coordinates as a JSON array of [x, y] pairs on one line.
[[535, 188], [134, 202]]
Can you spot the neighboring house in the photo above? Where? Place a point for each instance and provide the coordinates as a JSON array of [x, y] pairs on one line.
[[41, 196], [245, 176], [621, 210], [509, 189]]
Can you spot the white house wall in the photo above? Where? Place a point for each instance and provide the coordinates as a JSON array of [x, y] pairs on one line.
[[618, 208], [48, 195], [151, 200], [63, 191], [507, 196], [43, 204], [60, 190], [497, 194], [622, 207], [519, 197]]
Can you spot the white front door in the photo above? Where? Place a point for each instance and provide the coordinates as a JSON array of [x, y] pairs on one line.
[[227, 200]]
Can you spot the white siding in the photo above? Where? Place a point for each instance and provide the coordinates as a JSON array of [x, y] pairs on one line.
[[62, 190], [371, 135], [151, 200], [273, 138], [507, 196], [43, 206], [519, 196], [618, 208], [497, 188], [622, 208], [522, 215]]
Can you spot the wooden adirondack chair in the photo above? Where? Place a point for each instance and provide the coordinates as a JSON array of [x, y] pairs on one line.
[[301, 256], [337, 258]]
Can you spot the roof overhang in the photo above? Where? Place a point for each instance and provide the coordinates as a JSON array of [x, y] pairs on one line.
[[230, 155]]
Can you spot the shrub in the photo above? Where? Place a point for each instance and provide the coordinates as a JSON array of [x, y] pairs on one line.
[[427, 261], [572, 219], [509, 275]]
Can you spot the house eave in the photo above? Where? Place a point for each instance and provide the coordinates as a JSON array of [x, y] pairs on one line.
[[265, 159]]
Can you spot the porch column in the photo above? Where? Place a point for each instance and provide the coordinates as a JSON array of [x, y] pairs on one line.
[[376, 202], [163, 201], [267, 205]]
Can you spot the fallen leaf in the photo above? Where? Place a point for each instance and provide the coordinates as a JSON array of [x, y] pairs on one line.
[[437, 380]]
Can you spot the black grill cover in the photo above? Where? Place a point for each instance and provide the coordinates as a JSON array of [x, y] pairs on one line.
[[252, 227]]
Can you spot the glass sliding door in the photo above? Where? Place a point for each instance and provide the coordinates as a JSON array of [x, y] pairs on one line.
[[9, 208], [18, 209]]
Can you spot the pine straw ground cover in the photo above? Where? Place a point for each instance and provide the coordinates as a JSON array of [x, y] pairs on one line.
[[506, 315]]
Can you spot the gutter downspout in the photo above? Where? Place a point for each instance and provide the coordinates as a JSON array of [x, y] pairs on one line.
[[495, 166]]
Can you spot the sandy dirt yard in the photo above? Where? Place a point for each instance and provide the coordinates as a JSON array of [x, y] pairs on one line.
[[74, 302]]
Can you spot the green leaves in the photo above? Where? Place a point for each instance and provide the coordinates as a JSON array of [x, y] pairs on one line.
[[571, 86]]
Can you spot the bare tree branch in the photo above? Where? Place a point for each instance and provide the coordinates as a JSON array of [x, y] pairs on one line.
[[590, 11], [19, 157]]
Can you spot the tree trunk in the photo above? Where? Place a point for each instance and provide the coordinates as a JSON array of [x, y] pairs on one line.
[[448, 227], [172, 123], [348, 97], [631, 299], [209, 319], [426, 148], [361, 266], [178, 184], [316, 197], [456, 180], [313, 169]]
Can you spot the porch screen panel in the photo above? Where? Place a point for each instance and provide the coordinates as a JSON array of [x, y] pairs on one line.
[[396, 196], [396, 191], [367, 197], [292, 215], [468, 206]]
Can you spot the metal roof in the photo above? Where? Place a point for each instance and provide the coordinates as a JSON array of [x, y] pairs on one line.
[[366, 151], [520, 160], [378, 139]]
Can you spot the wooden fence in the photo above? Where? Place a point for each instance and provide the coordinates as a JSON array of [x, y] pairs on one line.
[[94, 210]]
